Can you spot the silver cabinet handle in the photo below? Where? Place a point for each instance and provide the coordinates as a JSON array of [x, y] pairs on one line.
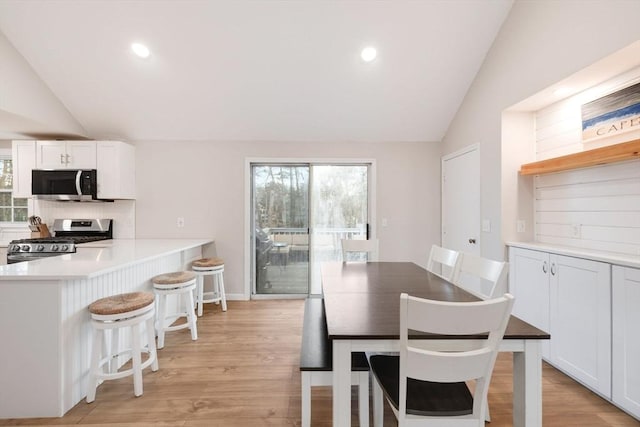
[[553, 268], [68, 158], [62, 159], [544, 267]]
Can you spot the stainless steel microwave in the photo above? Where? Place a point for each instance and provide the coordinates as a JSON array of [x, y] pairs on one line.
[[65, 184]]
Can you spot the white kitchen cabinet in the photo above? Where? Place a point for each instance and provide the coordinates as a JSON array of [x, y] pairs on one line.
[[529, 283], [23, 154], [571, 299], [580, 319], [66, 155], [626, 342], [116, 170]]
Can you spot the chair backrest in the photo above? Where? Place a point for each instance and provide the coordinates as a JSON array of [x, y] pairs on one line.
[[443, 262], [493, 273], [370, 247], [450, 363]]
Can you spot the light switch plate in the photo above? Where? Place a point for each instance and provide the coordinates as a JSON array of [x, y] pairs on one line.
[[486, 225], [521, 225]]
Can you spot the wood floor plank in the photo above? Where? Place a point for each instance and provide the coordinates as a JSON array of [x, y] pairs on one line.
[[243, 371]]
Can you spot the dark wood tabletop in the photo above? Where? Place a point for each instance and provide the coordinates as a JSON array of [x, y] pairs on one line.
[[362, 300]]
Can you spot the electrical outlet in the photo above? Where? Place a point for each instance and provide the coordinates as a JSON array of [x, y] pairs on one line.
[[180, 222], [521, 225]]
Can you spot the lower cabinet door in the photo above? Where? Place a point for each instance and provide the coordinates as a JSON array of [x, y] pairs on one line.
[[580, 310], [626, 339]]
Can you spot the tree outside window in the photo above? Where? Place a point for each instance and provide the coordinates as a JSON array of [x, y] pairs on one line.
[[11, 209]]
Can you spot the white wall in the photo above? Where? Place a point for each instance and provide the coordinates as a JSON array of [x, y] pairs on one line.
[[26, 102], [540, 43], [204, 182]]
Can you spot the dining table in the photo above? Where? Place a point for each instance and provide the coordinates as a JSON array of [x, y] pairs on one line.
[[362, 305]]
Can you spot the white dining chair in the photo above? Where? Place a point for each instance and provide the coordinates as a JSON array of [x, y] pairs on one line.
[[427, 386], [443, 262], [368, 247], [483, 277]]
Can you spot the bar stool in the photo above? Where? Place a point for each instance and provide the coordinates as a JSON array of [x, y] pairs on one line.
[[111, 314], [181, 283], [213, 267]]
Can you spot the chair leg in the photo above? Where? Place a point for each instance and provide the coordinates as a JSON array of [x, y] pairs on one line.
[[378, 404], [136, 349], [191, 316], [487, 415], [200, 292], [151, 344], [223, 297], [161, 320], [306, 399], [363, 398], [96, 352]]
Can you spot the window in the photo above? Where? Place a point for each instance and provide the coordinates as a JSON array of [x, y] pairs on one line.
[[11, 209]]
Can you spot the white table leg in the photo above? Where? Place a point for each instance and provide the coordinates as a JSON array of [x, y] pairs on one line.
[[341, 383], [527, 385]]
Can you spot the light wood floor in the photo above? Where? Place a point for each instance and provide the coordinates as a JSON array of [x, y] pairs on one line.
[[243, 371]]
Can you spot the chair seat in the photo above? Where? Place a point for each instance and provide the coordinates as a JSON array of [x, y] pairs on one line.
[[122, 303], [208, 262], [423, 397], [173, 278]]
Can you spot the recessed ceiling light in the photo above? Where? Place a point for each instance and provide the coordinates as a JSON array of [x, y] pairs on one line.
[[141, 50], [368, 54]]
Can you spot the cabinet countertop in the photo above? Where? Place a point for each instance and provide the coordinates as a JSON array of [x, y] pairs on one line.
[[91, 261], [608, 257]]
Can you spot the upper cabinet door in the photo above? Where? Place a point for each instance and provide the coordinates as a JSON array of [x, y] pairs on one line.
[[51, 155], [66, 155], [24, 161], [81, 155]]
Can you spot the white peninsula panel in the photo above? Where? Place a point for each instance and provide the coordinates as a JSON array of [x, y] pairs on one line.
[[46, 337]]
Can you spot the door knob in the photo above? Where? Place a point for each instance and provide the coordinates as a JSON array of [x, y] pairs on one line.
[[472, 241]]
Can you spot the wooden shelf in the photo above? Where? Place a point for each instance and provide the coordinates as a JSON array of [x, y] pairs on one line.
[[599, 156]]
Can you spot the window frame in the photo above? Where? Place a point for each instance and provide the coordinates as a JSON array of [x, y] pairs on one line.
[[6, 153]]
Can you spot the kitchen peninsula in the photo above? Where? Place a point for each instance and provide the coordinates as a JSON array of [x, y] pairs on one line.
[[44, 322]]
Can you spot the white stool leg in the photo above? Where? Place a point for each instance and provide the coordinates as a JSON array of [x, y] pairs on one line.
[[223, 297], [200, 292], [306, 398], [136, 349], [115, 348], [160, 322], [151, 343], [96, 353], [191, 316]]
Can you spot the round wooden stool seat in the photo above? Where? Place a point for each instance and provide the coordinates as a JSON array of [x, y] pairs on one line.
[[208, 262], [122, 303], [174, 278]]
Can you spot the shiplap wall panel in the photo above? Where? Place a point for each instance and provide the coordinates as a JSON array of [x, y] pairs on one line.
[[76, 295], [595, 208]]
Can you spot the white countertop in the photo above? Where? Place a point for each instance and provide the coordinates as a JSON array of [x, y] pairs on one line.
[[94, 259], [608, 257]]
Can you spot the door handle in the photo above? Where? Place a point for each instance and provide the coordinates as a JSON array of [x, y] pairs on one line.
[[472, 241], [553, 268], [68, 158], [544, 267], [62, 159]]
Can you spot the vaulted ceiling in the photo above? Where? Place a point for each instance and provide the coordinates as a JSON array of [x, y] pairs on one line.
[[237, 70]]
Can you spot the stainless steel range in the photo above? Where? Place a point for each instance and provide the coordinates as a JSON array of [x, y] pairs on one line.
[[68, 233]]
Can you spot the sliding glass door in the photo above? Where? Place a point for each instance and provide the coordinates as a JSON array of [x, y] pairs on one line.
[[300, 213]]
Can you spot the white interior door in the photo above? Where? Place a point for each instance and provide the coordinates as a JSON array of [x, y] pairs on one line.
[[461, 203]]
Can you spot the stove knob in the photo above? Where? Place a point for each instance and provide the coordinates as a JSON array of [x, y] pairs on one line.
[[15, 248], [65, 248], [40, 248], [54, 248], [26, 248]]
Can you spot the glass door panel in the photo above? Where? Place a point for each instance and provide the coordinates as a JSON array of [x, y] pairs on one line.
[[340, 210], [281, 229]]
